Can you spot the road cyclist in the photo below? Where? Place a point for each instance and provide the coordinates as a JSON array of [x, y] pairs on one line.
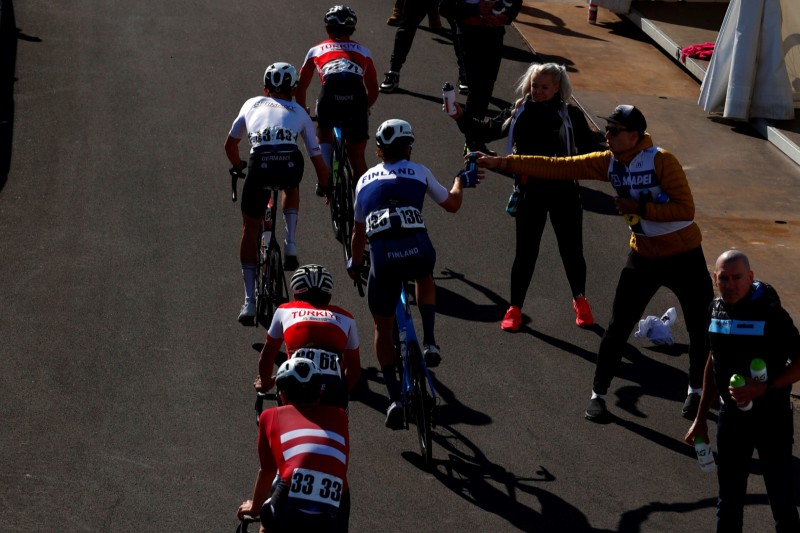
[[272, 124], [313, 328], [349, 86], [388, 212], [308, 444]]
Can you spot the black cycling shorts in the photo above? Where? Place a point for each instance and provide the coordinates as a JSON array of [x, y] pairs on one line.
[[342, 102], [268, 170], [394, 261]]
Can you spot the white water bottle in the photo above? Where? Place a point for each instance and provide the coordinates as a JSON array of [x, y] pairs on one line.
[[758, 370], [704, 455], [449, 98], [736, 382]]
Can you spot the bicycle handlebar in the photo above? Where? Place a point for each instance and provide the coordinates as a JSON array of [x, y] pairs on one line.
[[246, 521], [236, 174]]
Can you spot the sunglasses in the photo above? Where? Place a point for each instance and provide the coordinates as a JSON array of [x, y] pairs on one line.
[[613, 131]]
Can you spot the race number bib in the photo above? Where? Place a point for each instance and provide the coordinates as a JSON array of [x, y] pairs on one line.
[[337, 66], [410, 218], [273, 135], [327, 362], [315, 486], [379, 220]]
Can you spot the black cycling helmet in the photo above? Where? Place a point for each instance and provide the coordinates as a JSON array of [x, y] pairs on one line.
[[280, 78], [299, 379], [312, 282], [393, 130], [341, 17]]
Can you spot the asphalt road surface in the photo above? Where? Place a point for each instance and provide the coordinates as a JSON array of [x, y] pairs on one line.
[[125, 379]]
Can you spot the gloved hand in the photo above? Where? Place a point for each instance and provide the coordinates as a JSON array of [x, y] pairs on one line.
[[353, 269], [469, 178]]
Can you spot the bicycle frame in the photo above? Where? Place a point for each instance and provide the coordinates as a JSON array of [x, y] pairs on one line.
[[411, 384]]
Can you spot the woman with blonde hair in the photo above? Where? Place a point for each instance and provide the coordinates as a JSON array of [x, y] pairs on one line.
[[542, 122]]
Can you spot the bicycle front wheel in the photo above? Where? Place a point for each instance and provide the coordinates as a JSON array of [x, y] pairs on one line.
[[421, 403]]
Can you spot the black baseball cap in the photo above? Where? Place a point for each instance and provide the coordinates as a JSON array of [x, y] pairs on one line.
[[628, 116]]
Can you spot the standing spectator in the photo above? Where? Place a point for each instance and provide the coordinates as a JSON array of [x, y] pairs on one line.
[[398, 14], [747, 321], [415, 11], [654, 197], [541, 122], [480, 27]]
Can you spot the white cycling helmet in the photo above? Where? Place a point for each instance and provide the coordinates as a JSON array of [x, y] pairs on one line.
[[392, 130], [341, 16], [300, 379], [312, 278], [280, 77]]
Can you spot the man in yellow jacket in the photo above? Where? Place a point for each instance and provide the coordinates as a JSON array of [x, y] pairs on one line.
[[654, 197]]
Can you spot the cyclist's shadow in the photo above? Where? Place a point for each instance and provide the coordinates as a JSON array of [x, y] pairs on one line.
[[452, 303], [471, 475]]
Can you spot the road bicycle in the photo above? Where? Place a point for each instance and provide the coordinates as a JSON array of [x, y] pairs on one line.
[[271, 289], [418, 395], [245, 522], [342, 199]]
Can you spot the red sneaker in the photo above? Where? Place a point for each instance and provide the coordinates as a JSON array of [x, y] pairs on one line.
[[512, 320], [583, 311]]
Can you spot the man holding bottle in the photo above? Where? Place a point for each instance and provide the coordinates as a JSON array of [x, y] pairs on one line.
[[747, 322]]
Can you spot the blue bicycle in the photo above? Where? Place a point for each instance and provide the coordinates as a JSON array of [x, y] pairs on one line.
[[418, 394]]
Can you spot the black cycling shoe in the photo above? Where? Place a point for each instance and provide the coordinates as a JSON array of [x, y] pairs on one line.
[[432, 355], [395, 418]]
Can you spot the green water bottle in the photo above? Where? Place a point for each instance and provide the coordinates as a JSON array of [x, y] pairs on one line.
[[758, 370], [736, 382]]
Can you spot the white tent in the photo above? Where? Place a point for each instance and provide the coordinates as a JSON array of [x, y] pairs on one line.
[[755, 70]]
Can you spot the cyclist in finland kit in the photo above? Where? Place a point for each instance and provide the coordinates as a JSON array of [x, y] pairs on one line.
[[388, 206], [349, 86], [272, 124], [308, 444], [314, 329]]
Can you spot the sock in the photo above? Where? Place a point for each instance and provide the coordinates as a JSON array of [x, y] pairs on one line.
[[249, 276], [290, 219], [595, 395], [392, 385], [428, 313]]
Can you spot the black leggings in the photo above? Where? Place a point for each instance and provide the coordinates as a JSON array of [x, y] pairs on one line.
[[687, 276], [562, 201]]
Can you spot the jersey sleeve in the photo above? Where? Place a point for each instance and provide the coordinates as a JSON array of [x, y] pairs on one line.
[[239, 127], [436, 190], [276, 326], [265, 457], [308, 134]]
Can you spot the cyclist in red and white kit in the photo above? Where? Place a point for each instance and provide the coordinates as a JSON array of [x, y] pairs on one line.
[[349, 86], [272, 124], [309, 446], [314, 329]]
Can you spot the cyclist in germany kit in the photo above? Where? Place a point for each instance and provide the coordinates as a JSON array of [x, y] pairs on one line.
[[272, 124], [314, 329], [349, 86], [388, 211], [309, 446]]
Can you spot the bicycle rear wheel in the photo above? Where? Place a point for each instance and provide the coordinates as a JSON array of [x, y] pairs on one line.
[[347, 212], [261, 288], [421, 403], [276, 283]]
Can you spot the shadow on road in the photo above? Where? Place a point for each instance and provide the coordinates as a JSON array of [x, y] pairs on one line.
[[471, 475], [452, 303]]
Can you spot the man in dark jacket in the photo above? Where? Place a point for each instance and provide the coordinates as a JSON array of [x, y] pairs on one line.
[[747, 322]]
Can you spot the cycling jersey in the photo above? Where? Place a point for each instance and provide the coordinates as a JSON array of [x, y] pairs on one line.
[[321, 334], [272, 127], [342, 67], [389, 199], [310, 447]]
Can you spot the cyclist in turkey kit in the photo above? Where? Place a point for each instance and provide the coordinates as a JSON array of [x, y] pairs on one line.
[[349, 86], [309, 446], [314, 329], [388, 211], [272, 124]]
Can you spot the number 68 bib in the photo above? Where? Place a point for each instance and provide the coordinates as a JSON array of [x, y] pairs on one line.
[[327, 362]]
